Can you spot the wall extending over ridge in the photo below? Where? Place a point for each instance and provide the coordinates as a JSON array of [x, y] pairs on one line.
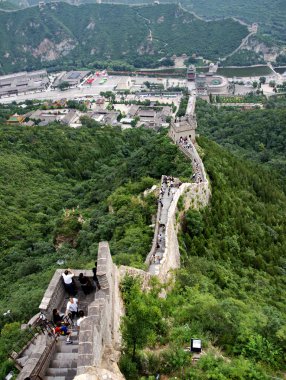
[[99, 337], [195, 195]]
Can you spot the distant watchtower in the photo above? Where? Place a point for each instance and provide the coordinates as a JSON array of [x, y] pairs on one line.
[[184, 127], [191, 73]]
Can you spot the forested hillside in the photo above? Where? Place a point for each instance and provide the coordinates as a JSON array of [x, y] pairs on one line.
[[58, 186], [55, 36], [230, 291], [272, 19], [64, 190], [255, 134]]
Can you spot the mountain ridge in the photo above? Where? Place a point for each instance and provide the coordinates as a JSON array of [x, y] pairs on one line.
[[55, 35]]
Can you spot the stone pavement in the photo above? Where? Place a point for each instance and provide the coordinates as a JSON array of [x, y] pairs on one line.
[[166, 198]]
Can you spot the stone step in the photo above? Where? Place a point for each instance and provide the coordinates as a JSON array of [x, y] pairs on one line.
[[63, 364], [62, 339], [65, 356], [65, 372], [68, 348], [22, 361]]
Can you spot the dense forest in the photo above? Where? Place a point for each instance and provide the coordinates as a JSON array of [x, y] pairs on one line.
[[58, 186], [255, 134], [230, 291], [56, 37], [244, 58], [271, 20]]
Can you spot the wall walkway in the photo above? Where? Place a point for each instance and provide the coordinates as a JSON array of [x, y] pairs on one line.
[[194, 195]]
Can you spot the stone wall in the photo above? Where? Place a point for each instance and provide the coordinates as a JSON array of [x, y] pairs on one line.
[[101, 328], [144, 276], [36, 359], [55, 293], [195, 195], [156, 231]]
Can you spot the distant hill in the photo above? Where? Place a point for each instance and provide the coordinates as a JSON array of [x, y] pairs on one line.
[[271, 16], [8, 6], [61, 35]]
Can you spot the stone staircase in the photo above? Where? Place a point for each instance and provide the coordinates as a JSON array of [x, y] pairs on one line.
[[63, 365]]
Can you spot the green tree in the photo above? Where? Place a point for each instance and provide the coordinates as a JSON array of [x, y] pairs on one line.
[[255, 84], [63, 86], [141, 319]]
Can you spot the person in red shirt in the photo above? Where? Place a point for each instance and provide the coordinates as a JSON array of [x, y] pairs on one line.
[[63, 330]]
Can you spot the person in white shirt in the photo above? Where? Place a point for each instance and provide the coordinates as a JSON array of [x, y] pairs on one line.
[[72, 307], [81, 318], [68, 281]]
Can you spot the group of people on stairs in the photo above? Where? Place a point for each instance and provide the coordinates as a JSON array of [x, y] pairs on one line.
[[63, 321]]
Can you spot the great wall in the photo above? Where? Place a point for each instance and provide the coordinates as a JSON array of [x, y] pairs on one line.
[[95, 351]]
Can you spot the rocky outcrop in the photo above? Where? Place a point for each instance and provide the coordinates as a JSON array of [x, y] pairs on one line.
[[48, 50], [269, 53]]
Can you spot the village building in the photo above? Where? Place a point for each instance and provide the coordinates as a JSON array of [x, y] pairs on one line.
[[104, 116], [70, 117], [16, 119], [14, 84], [73, 78], [151, 116], [191, 73]]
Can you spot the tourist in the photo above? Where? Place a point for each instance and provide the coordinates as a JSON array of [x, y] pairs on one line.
[[68, 281], [57, 316], [81, 318], [63, 330], [173, 192], [85, 283], [72, 307], [95, 279]]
